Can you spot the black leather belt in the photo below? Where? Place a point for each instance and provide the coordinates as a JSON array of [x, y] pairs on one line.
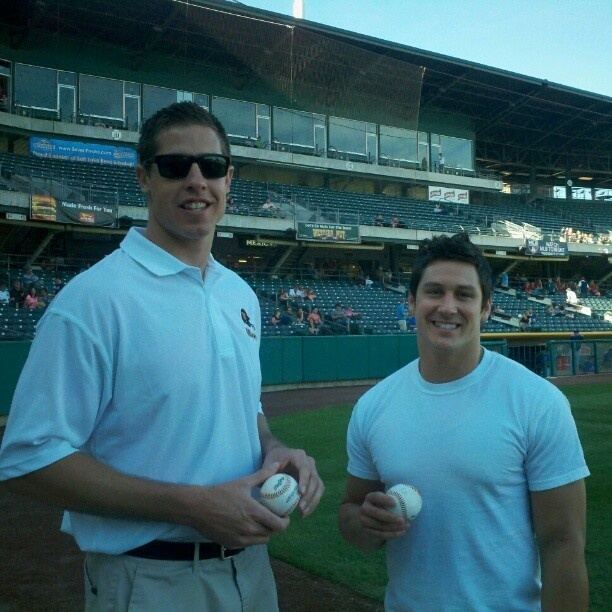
[[182, 551]]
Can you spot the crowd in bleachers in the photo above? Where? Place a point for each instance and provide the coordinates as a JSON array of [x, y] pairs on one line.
[[570, 234], [325, 302], [551, 304], [24, 295]]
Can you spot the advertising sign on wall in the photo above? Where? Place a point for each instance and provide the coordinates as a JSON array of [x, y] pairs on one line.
[[48, 208], [328, 232], [448, 194], [91, 152]]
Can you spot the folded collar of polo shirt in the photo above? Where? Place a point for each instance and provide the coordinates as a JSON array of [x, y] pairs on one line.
[[155, 259]]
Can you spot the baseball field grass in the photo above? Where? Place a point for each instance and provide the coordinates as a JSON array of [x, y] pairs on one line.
[[315, 544]]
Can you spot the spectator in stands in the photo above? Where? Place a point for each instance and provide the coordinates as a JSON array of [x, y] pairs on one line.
[[31, 299], [58, 284], [269, 207], [511, 468], [281, 318], [311, 297], [379, 220], [28, 278], [338, 318], [576, 336], [43, 298], [504, 282], [401, 313], [525, 320], [146, 424], [594, 289], [18, 294], [368, 282], [351, 314], [551, 288], [570, 297], [554, 310], [424, 164], [300, 318], [4, 102], [583, 288], [538, 288], [441, 162], [394, 222], [314, 321], [295, 296], [275, 319], [438, 208], [283, 298], [5, 294]]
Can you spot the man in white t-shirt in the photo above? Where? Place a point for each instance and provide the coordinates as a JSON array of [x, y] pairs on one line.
[[493, 449]]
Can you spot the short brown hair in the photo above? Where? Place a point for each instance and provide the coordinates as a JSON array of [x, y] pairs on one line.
[[177, 114]]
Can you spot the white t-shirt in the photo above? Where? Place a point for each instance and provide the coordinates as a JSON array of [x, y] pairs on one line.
[[474, 448]]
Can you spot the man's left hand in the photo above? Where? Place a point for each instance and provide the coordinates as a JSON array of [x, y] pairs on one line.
[[297, 463]]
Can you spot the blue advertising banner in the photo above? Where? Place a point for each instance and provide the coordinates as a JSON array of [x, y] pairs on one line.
[[73, 150]]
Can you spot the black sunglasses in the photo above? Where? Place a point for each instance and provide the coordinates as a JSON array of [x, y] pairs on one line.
[[176, 166]]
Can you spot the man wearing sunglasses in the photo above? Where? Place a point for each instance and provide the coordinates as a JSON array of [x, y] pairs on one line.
[[147, 425]]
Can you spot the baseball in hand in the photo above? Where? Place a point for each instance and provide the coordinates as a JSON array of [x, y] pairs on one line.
[[408, 501], [280, 494]]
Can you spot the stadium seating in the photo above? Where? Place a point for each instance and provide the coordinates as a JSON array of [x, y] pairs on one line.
[[117, 185], [376, 306]]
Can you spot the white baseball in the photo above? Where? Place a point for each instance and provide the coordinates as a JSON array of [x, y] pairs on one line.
[[408, 501], [280, 494]]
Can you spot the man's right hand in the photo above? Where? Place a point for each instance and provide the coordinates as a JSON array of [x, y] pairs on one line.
[[376, 517], [365, 517]]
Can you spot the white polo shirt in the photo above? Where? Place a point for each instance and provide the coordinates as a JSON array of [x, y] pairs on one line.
[[149, 368]]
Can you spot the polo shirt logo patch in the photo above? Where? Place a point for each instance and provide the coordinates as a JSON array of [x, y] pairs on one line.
[[249, 327]]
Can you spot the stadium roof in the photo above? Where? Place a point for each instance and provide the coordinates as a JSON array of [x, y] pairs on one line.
[[522, 124]]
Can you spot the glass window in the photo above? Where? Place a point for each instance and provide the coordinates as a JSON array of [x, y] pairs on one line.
[[201, 100], [603, 195], [263, 110], [293, 127], [154, 98], [237, 116], [457, 152], [100, 97], [35, 87], [347, 135], [582, 193], [132, 89], [423, 151], [578, 193], [66, 78], [398, 144]]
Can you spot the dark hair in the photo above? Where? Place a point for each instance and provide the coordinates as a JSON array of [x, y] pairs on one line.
[[178, 114], [452, 248]]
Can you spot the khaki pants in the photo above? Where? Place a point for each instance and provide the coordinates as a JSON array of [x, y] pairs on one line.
[[118, 583]]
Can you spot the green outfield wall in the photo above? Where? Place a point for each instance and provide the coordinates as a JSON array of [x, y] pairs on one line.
[[300, 360], [284, 361]]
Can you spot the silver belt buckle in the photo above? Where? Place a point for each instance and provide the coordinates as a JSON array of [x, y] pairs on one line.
[[223, 556]]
